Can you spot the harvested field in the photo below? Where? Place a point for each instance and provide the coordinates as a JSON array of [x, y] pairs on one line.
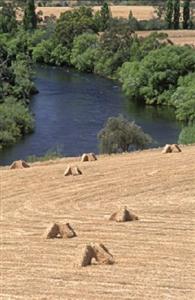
[[154, 256], [140, 12], [178, 37]]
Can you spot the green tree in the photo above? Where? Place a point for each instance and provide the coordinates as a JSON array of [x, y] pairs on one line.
[[73, 23], [184, 99], [8, 23], [176, 13], [84, 52], [114, 50], [169, 13], [30, 17], [120, 135], [105, 14], [187, 135], [153, 80], [15, 120], [186, 14]]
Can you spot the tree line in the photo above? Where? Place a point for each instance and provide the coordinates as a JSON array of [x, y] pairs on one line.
[[173, 14]]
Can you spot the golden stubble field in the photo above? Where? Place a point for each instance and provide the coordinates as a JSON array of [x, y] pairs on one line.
[[178, 37], [154, 257], [140, 12]]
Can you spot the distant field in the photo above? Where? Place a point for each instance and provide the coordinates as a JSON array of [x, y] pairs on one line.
[[154, 256], [140, 12], [178, 37]]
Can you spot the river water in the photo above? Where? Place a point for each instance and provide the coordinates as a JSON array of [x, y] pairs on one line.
[[72, 107]]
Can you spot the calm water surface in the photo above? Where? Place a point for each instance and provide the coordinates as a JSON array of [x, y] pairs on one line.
[[72, 107]]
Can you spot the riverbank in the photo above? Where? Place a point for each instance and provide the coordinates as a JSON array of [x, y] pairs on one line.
[[72, 107]]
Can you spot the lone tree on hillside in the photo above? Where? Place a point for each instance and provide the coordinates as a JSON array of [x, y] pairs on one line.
[[186, 14], [169, 13], [30, 17], [176, 13], [119, 135]]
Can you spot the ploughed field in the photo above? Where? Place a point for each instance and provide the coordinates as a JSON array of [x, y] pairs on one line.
[[154, 256]]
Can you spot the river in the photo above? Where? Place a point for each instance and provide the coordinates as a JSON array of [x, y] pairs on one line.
[[72, 107]]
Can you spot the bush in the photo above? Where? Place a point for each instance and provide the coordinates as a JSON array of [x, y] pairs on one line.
[[15, 120], [84, 51], [73, 23], [187, 135], [154, 78], [184, 99], [119, 135]]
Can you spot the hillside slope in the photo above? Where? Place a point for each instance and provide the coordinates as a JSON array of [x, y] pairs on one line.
[[154, 256]]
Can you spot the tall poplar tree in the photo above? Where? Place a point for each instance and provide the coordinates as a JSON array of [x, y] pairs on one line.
[[186, 14], [105, 15], [176, 13], [30, 17], [169, 13]]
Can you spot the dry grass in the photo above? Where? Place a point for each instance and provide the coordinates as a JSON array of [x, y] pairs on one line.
[[154, 256], [178, 37], [140, 12]]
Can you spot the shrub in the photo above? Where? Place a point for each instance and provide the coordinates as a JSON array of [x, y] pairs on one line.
[[184, 99], [187, 135], [83, 52], [154, 78], [119, 135], [15, 120]]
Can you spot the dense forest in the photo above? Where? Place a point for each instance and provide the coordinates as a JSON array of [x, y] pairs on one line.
[[150, 70]]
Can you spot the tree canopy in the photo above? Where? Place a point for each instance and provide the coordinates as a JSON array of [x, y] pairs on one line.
[[119, 135]]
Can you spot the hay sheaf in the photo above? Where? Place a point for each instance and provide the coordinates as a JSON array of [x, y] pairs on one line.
[[171, 148], [88, 157], [123, 215], [74, 171], [59, 230], [95, 251], [19, 164]]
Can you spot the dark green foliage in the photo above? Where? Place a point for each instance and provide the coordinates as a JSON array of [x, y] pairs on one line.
[[176, 13], [30, 17], [49, 53], [114, 50], [16, 88], [142, 46], [8, 23], [83, 55], [186, 14], [73, 23], [169, 13], [187, 135], [133, 22], [15, 120], [154, 79], [105, 14], [184, 99], [119, 135]]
